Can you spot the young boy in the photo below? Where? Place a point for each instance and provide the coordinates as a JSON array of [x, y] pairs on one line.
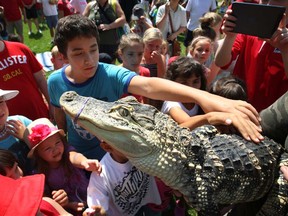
[[77, 40], [121, 189], [56, 58]]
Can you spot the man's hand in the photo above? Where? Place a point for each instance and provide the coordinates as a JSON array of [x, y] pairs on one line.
[[237, 107], [280, 36], [228, 122]]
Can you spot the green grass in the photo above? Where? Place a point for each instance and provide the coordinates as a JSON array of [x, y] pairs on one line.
[[36, 42], [40, 43]]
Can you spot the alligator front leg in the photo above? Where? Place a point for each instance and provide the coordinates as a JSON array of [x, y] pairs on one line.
[[210, 210], [277, 199], [206, 201]]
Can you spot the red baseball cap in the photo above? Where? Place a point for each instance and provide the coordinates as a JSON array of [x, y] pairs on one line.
[[21, 196]]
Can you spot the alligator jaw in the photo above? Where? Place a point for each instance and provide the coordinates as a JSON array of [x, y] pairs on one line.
[[120, 136]]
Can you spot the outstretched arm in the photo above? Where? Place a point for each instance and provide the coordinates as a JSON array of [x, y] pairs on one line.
[[230, 122], [223, 55], [79, 160], [161, 89]]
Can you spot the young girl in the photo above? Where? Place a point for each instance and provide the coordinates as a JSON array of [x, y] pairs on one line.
[[164, 51], [200, 49], [210, 24], [131, 50], [187, 71], [9, 168], [59, 162], [152, 58]]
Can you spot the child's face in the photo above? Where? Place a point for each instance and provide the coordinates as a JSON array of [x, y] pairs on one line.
[[115, 154], [132, 56], [83, 57], [192, 81], [4, 112], [51, 150], [154, 45], [201, 51], [58, 61], [15, 172], [164, 49]]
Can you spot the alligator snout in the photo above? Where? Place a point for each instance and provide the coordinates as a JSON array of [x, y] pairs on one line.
[[68, 96]]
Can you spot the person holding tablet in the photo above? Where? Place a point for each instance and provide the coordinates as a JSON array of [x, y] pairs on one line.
[[262, 64]]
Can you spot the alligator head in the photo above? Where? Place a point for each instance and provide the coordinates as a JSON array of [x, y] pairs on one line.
[[141, 132]]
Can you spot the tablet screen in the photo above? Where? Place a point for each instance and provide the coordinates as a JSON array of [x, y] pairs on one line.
[[257, 19]]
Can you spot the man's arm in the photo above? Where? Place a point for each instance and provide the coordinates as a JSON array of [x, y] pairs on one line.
[[42, 85], [175, 34], [87, 9], [120, 21], [162, 89], [60, 118], [280, 41], [223, 54]]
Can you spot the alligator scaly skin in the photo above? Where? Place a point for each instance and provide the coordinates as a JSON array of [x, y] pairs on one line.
[[210, 169]]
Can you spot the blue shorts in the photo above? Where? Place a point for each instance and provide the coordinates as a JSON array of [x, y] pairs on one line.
[[52, 21]]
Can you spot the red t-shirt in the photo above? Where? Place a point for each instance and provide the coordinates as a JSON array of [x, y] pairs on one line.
[[261, 66], [142, 72], [12, 9], [39, 6], [27, 2], [17, 66], [66, 7], [47, 209]]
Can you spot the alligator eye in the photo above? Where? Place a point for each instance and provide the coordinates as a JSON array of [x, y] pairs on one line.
[[123, 112]]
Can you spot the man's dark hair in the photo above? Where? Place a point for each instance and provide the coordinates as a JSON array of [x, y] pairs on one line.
[[230, 87], [71, 27]]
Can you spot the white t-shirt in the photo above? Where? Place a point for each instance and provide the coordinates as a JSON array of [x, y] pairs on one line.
[[178, 19], [79, 5], [197, 9], [121, 189], [167, 105], [48, 9]]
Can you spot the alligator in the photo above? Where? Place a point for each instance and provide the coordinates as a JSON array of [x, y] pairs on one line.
[[210, 169]]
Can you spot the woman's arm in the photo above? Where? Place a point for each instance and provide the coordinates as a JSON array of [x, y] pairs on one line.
[[87, 9]]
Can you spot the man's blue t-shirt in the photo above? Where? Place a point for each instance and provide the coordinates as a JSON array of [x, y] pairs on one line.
[[109, 83]]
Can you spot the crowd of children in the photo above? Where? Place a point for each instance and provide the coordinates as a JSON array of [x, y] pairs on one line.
[[85, 175]]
